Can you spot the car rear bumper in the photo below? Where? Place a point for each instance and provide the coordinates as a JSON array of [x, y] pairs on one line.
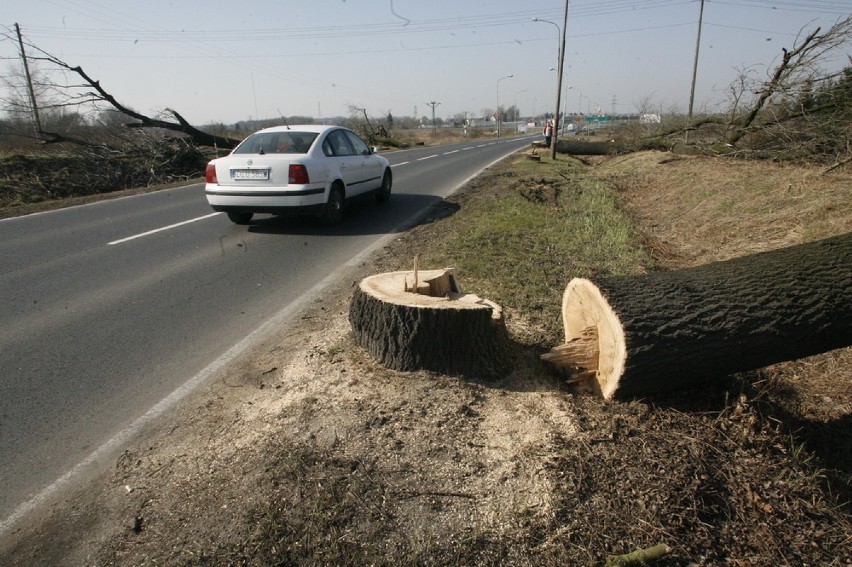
[[270, 209], [248, 200]]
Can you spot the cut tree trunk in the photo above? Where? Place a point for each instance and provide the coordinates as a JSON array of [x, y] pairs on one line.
[[635, 335], [581, 147], [421, 321]]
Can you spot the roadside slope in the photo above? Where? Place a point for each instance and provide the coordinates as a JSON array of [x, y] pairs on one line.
[[306, 452]]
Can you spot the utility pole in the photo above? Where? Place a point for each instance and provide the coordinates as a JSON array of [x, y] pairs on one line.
[[34, 105], [559, 85], [694, 70], [434, 105]]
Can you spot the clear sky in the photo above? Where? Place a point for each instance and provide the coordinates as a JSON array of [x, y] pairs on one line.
[[226, 61]]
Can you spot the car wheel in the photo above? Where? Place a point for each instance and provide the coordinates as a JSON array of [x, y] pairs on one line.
[[333, 211], [384, 192], [240, 218]]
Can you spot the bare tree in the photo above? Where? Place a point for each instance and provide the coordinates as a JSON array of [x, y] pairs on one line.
[[645, 105], [798, 67], [61, 85], [376, 130], [739, 90], [799, 110], [359, 121]]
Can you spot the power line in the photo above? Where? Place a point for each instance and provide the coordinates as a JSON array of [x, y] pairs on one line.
[[199, 40], [221, 44], [158, 33], [829, 7]]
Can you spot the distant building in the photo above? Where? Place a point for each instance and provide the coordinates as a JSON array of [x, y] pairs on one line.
[[649, 118], [477, 122]]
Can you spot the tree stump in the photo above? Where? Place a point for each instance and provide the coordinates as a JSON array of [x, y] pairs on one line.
[[422, 321], [635, 335]]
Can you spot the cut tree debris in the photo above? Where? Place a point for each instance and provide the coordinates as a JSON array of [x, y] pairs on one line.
[[632, 335], [421, 320], [639, 557]]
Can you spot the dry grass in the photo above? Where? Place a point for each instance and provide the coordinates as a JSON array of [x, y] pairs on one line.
[[733, 208]]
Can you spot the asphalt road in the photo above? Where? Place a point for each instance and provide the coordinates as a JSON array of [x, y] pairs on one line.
[[110, 309]]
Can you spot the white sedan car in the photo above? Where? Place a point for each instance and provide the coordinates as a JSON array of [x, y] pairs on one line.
[[308, 169]]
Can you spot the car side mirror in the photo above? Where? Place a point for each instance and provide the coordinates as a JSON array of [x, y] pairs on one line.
[[374, 150]]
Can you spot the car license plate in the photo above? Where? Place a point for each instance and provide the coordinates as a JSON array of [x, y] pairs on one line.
[[250, 174]]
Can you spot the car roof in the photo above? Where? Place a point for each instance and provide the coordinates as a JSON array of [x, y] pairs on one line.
[[318, 128]]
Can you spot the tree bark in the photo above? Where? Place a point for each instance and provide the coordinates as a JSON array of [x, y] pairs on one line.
[[458, 334], [578, 147], [640, 334]]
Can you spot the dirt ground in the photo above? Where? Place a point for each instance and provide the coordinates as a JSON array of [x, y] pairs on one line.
[[307, 452]]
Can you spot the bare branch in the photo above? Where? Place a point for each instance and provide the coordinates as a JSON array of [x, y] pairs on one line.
[[793, 63], [99, 95]]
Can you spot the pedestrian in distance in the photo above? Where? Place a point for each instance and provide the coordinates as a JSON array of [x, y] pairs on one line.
[[548, 132]]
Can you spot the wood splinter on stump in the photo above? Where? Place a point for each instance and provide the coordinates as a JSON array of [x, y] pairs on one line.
[[421, 320], [633, 335], [579, 354]]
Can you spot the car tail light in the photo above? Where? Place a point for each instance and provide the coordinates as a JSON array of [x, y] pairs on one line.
[[210, 174], [299, 174]]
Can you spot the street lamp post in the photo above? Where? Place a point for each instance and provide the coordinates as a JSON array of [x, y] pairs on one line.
[[498, 101], [561, 56]]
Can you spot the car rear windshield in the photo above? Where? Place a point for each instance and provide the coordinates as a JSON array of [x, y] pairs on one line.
[[289, 142]]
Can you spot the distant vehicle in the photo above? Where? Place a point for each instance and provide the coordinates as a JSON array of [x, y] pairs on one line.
[[306, 169]]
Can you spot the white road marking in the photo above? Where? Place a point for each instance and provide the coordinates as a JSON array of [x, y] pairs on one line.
[[156, 230], [400, 163], [448, 153], [427, 157]]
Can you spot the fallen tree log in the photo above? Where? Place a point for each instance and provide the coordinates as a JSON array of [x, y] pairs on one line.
[[634, 335], [583, 147], [421, 320]]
